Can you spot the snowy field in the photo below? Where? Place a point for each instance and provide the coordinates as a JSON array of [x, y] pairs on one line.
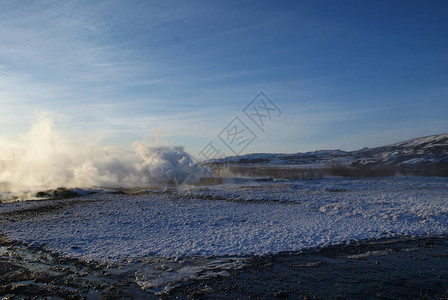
[[240, 217]]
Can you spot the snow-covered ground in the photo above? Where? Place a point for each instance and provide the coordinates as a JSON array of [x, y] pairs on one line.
[[239, 217]]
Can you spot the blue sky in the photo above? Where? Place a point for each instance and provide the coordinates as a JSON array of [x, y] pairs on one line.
[[346, 74]]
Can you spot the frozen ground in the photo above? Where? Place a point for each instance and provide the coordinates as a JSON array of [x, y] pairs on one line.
[[240, 217]]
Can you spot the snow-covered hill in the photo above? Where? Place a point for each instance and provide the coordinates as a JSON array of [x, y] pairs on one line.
[[430, 150], [424, 151]]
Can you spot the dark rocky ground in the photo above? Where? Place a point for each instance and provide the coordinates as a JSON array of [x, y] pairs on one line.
[[399, 268], [384, 269], [408, 268]]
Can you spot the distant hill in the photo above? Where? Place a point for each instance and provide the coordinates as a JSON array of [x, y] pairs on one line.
[[429, 150], [418, 152]]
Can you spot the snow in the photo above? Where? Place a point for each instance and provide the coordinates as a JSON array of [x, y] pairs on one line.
[[422, 140], [240, 217], [413, 161], [416, 152]]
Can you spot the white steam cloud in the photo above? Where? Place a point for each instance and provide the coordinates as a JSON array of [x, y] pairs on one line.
[[45, 158]]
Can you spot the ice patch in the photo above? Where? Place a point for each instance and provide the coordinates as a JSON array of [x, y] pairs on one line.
[[160, 278], [369, 254]]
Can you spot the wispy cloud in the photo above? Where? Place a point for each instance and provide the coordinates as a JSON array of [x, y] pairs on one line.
[[125, 68]]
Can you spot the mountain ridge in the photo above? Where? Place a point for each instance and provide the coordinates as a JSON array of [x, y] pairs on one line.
[[429, 150]]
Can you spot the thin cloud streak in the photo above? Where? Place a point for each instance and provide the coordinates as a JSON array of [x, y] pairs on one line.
[[126, 68]]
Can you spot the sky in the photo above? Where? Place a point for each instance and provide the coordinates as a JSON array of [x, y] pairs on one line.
[[343, 74]]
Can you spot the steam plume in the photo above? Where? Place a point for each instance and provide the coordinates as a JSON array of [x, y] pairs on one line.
[[45, 158]]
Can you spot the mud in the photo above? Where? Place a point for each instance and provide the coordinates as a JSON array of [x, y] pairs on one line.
[[384, 269], [387, 269]]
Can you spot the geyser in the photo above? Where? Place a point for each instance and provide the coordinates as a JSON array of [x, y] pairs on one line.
[[46, 158]]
